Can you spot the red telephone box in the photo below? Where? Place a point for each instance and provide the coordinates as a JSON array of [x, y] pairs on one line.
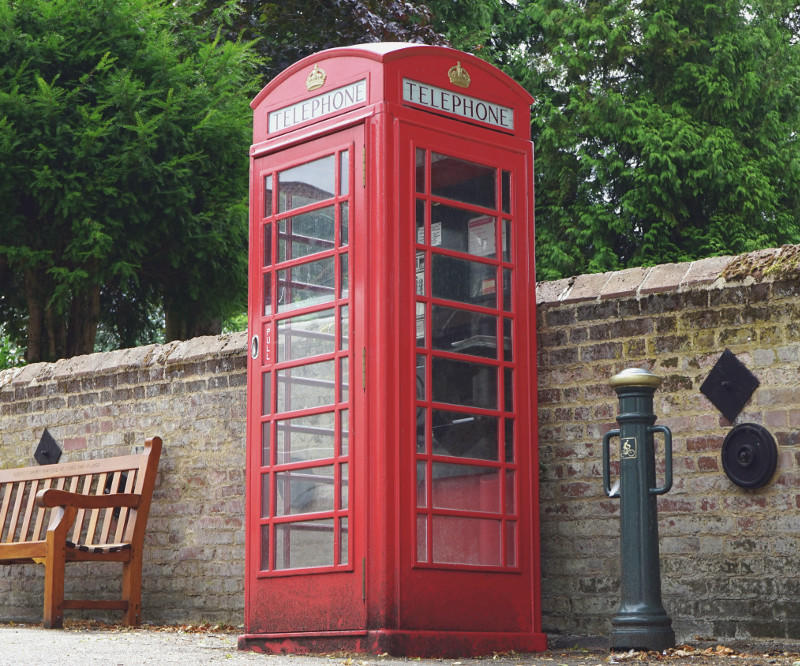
[[392, 497]]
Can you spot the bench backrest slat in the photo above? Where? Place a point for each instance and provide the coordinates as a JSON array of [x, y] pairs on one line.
[[8, 489], [94, 514], [84, 490], [124, 511], [26, 519], [37, 528], [12, 525]]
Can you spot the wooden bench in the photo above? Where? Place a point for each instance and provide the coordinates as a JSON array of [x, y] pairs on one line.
[[93, 510]]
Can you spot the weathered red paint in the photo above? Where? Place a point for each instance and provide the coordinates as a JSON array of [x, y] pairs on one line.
[[414, 538]]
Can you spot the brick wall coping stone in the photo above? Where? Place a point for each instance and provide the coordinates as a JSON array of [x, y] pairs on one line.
[[714, 272], [136, 358]]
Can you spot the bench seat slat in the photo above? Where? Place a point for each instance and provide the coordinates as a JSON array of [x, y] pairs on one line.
[[99, 547]]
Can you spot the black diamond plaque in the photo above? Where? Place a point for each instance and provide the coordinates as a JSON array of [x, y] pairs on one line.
[[729, 385], [48, 452]]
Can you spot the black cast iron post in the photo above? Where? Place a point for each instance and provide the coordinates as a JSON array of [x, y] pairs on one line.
[[640, 622]]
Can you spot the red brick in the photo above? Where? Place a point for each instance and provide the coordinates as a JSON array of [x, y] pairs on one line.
[[707, 464], [74, 443]]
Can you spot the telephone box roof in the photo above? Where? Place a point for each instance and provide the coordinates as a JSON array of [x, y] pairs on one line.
[[385, 66]]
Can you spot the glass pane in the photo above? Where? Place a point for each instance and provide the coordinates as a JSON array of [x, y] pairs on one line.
[[420, 215], [422, 538], [344, 223], [306, 386], [506, 229], [267, 294], [459, 540], [344, 492], [465, 488], [304, 544], [265, 495], [264, 547], [420, 325], [306, 234], [306, 335], [422, 488], [508, 347], [266, 444], [420, 170], [267, 195], [305, 438], [462, 230], [306, 284], [464, 281], [511, 493], [304, 491], [465, 435], [422, 419], [507, 289], [420, 274], [266, 393], [344, 556], [345, 437], [306, 184], [508, 389], [462, 383], [267, 245], [421, 392], [344, 327], [464, 181], [344, 379], [506, 191], [344, 172], [511, 544], [464, 331], [345, 283], [509, 428]]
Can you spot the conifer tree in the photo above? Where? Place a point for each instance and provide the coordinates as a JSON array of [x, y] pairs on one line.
[[124, 128]]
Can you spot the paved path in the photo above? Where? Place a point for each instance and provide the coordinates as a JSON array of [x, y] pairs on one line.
[[21, 645]]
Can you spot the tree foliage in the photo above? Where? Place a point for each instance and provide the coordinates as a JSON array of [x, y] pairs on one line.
[[124, 129], [284, 32], [665, 130]]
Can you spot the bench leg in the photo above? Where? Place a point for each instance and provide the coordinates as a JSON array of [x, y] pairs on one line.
[[54, 583], [132, 589]]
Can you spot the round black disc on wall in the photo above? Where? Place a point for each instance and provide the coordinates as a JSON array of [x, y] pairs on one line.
[[749, 455]]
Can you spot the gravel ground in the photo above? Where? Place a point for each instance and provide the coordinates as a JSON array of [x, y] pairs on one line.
[[84, 644]]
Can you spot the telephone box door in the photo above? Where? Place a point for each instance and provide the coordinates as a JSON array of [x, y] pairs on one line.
[[306, 534], [470, 506]]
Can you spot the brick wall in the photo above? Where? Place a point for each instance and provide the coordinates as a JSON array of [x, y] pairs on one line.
[[729, 557], [190, 393]]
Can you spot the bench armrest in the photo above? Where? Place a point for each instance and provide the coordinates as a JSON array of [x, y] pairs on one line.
[[53, 497]]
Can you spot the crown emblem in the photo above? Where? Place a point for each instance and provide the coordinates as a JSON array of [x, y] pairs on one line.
[[316, 78], [458, 76]]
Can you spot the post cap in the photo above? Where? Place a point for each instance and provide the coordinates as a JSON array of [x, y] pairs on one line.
[[635, 377]]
